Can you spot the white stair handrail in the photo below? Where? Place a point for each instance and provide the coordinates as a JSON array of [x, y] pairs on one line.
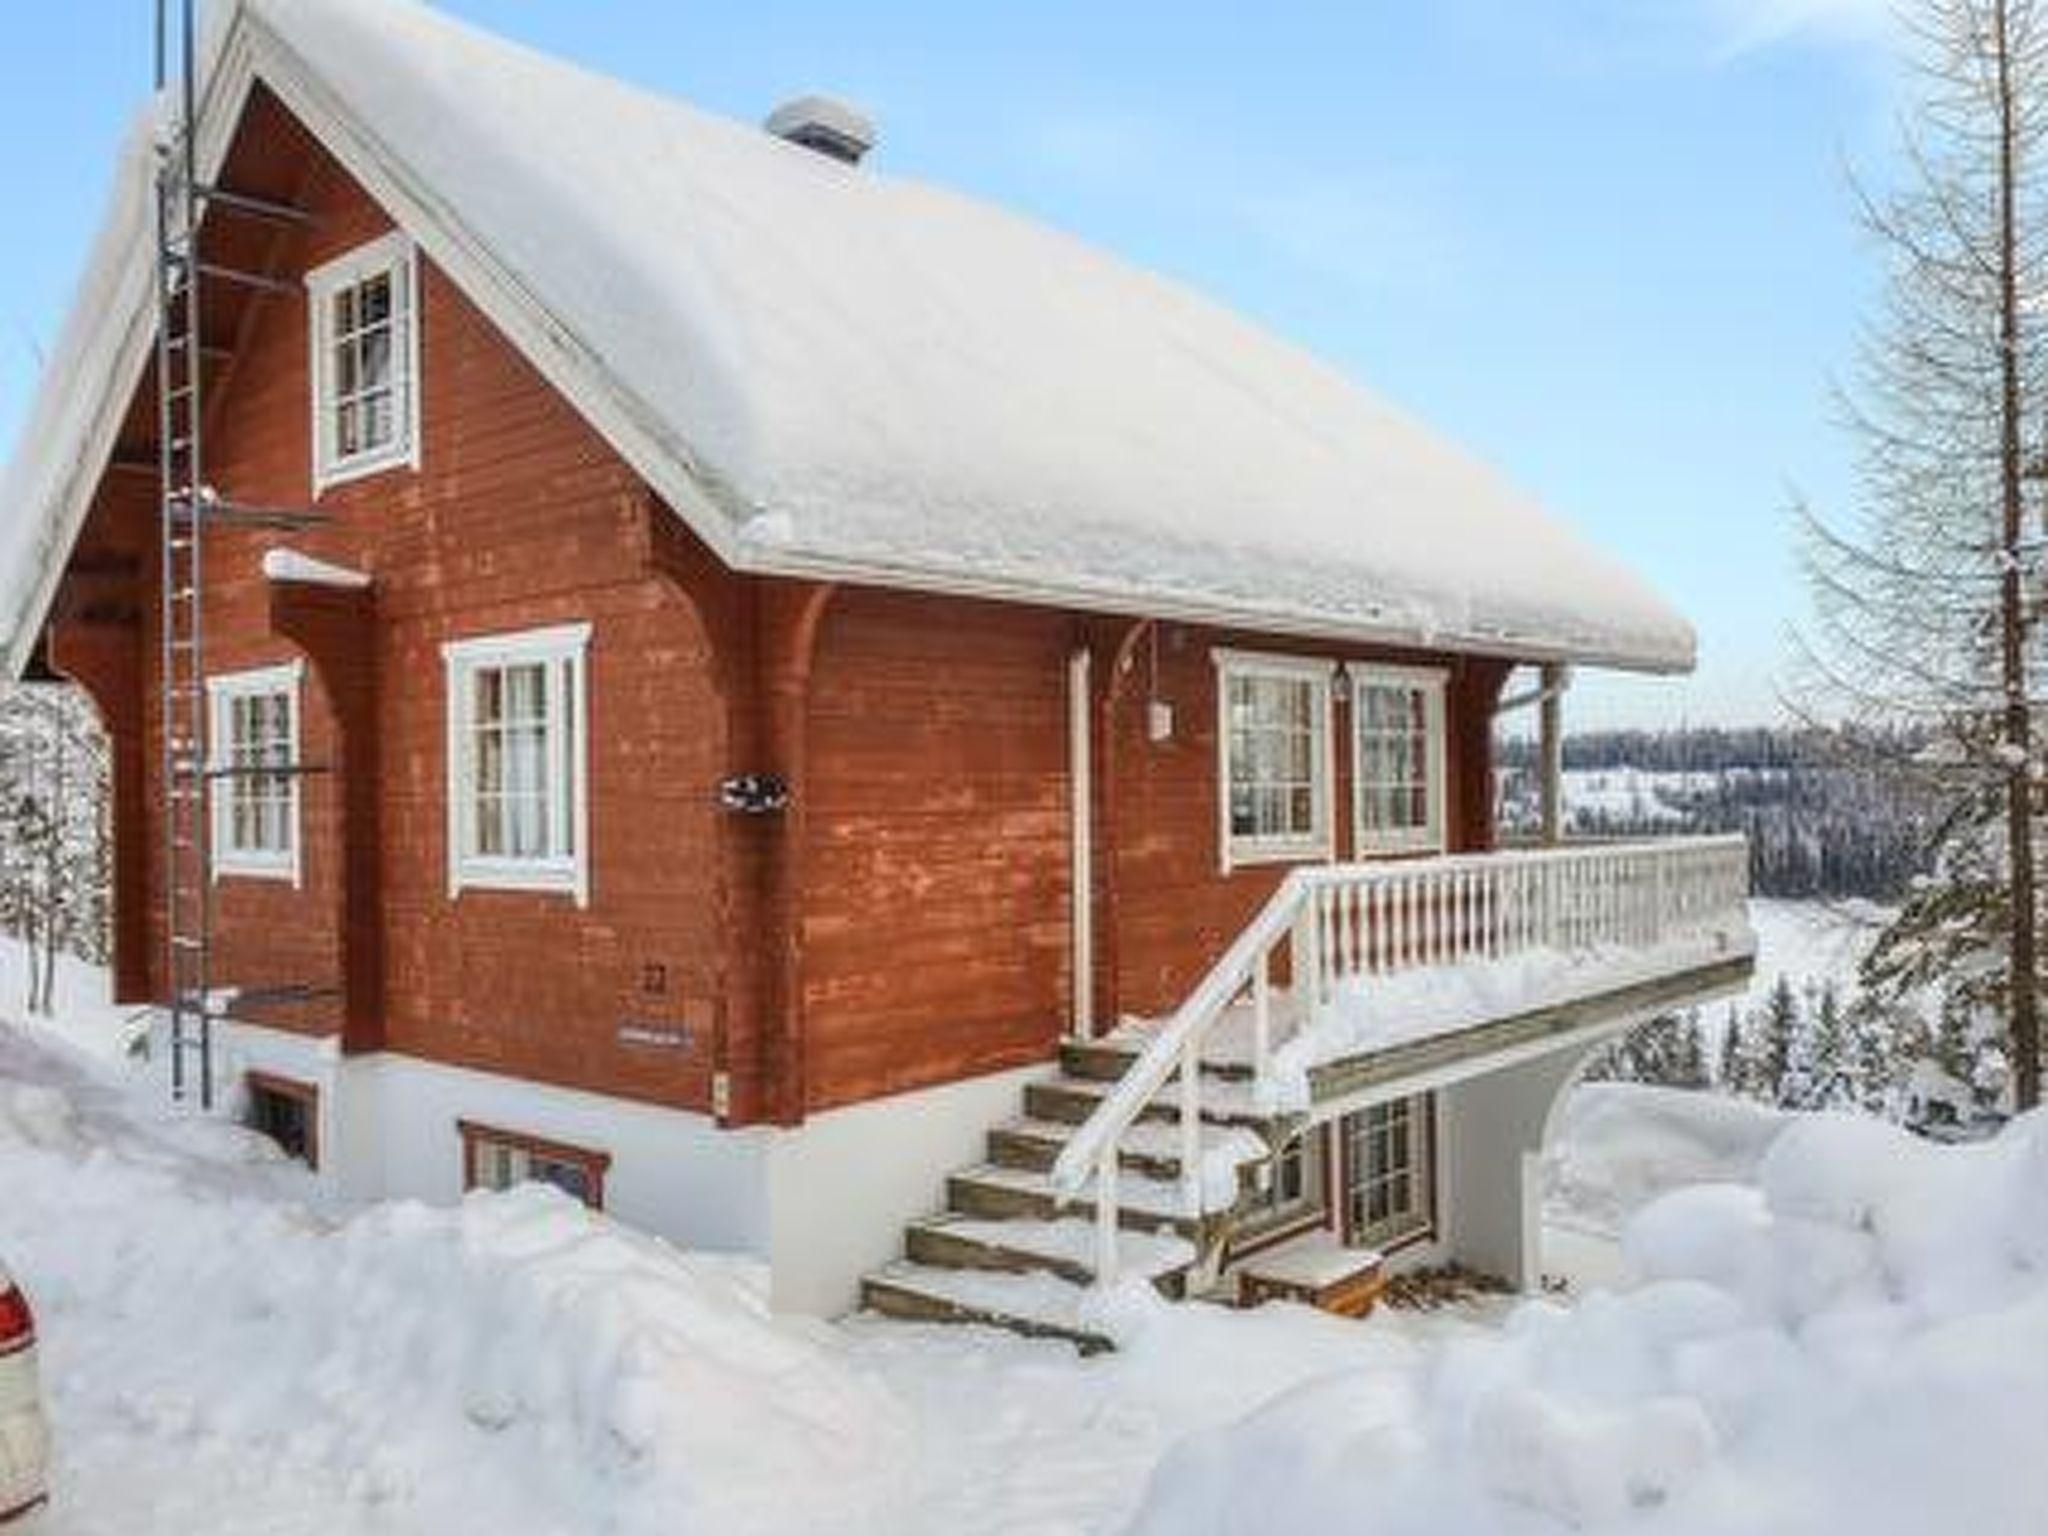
[[1344, 920]]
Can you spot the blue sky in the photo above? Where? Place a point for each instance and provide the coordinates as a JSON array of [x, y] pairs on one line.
[[1607, 244]]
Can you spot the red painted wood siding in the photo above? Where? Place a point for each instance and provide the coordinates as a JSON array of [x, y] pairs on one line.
[[907, 924]]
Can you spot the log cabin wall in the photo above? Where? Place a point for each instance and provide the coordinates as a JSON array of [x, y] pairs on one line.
[[1170, 907], [935, 936], [905, 924], [520, 516]]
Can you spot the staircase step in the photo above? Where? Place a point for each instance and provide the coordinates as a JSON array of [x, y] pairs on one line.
[[1106, 1060], [1063, 1247], [1073, 1099], [1036, 1303], [1151, 1147], [1144, 1205]]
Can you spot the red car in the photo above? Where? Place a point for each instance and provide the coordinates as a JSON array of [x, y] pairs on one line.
[[24, 1437]]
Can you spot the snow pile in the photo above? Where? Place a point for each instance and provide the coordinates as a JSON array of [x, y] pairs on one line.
[[1858, 1341], [1616, 1146], [193, 1312]]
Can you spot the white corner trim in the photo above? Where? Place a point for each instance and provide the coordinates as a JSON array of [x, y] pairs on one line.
[[1272, 663], [395, 253], [565, 646], [287, 678]]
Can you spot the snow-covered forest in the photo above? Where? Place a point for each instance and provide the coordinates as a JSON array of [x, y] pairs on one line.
[[55, 887], [1826, 812]]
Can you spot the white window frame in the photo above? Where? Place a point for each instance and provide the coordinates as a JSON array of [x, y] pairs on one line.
[[222, 690], [1237, 851], [1432, 682], [394, 254], [564, 650]]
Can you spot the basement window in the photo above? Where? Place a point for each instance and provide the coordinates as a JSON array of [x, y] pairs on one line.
[[1397, 744], [1273, 748], [497, 1159], [518, 808], [254, 727], [365, 361], [288, 1112]]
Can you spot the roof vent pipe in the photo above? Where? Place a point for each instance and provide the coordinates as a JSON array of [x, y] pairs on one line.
[[825, 124]]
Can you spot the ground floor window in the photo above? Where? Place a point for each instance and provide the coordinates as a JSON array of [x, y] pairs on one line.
[[1389, 1192], [1296, 1188], [499, 1159], [288, 1113]]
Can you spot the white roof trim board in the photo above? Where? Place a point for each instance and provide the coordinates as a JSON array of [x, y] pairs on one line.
[[833, 372]]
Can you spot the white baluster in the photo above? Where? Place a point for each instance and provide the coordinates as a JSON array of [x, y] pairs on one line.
[[1191, 1128]]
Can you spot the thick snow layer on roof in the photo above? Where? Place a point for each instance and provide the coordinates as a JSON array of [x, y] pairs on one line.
[[863, 376]]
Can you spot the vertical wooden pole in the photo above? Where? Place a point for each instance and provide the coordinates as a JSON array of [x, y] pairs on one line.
[[1555, 678]]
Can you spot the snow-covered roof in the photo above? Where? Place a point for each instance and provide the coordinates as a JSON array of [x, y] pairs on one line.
[[835, 372]]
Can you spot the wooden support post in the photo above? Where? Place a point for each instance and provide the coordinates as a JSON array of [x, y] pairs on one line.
[[1555, 680]]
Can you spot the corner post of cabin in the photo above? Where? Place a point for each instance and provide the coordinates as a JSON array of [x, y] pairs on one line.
[[1114, 645], [334, 627], [104, 660], [1081, 831], [788, 618], [1556, 678]]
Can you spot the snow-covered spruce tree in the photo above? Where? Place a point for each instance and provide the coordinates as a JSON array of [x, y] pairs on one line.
[[1924, 607], [55, 854]]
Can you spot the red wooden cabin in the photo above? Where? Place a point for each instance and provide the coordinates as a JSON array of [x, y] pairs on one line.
[[797, 679]]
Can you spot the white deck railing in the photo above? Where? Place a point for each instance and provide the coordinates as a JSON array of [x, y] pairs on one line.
[[1334, 922]]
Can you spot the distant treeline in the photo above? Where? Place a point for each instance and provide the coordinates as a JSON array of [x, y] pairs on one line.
[[1827, 813]]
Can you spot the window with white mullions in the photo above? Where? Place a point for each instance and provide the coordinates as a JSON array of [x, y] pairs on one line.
[[365, 360], [1398, 759], [1389, 1195], [1274, 765], [254, 727], [517, 802]]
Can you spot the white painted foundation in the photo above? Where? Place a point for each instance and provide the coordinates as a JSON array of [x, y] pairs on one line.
[[820, 1203]]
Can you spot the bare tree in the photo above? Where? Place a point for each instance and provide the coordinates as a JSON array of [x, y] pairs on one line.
[[1924, 605]]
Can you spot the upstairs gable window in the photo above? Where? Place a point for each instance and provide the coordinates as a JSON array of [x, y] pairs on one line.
[[365, 361]]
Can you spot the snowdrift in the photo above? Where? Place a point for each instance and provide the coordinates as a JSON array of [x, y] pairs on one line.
[[1856, 1341], [1617, 1146], [566, 1364]]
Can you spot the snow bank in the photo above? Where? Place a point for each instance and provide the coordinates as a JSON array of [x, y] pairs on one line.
[[1616, 1146], [578, 1376], [1857, 1341]]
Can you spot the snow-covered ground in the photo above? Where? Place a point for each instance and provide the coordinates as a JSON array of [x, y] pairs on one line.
[[1817, 1323]]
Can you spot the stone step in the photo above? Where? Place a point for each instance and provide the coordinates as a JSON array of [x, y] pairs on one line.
[[1073, 1099], [1151, 1147], [1107, 1060], [1035, 1303], [1063, 1247]]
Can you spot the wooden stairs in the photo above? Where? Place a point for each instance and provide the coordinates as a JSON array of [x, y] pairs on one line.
[[1008, 1252]]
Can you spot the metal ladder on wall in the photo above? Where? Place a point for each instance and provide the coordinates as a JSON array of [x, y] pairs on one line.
[[188, 506]]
